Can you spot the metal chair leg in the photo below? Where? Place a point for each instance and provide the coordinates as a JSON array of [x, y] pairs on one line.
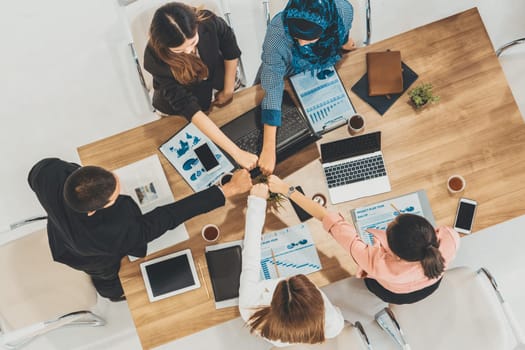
[[368, 10], [516, 330], [141, 76], [508, 45], [69, 320]]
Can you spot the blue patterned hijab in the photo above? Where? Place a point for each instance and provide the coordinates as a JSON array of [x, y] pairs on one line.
[[323, 13]]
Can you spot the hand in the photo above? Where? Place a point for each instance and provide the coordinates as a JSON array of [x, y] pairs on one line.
[[241, 182], [267, 161], [245, 159], [349, 45], [277, 185], [260, 190], [223, 98]]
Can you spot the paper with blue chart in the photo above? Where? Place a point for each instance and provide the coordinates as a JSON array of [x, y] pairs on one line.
[[379, 215], [179, 150], [294, 252], [323, 98]]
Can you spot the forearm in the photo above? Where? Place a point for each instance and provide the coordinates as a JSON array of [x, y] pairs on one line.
[[269, 138], [309, 205], [251, 253], [167, 217], [210, 129], [230, 70]]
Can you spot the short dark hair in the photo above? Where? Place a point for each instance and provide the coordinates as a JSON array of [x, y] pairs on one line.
[[89, 188], [413, 238]]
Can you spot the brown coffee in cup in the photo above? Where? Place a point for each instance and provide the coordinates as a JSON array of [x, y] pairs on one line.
[[356, 124], [210, 233], [456, 183]]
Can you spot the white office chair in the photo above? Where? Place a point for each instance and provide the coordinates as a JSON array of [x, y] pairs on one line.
[[361, 30], [466, 312], [514, 68], [353, 336], [39, 295], [139, 14]]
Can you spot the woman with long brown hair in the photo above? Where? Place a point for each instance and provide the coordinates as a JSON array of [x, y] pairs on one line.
[[284, 311], [192, 52]]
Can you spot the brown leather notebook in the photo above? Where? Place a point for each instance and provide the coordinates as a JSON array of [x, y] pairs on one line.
[[384, 73]]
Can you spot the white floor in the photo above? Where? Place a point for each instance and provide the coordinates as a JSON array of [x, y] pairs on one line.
[[499, 248]]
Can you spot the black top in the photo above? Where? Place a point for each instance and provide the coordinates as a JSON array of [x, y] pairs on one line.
[[96, 244], [216, 44]]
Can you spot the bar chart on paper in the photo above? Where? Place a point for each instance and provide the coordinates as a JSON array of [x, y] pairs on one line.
[[323, 98], [290, 251]]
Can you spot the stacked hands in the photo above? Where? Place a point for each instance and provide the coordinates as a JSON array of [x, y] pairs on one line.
[[241, 182]]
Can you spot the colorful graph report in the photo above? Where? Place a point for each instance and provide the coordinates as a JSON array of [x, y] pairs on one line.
[[323, 98], [292, 250], [179, 150]]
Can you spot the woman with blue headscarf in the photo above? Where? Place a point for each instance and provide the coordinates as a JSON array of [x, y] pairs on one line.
[[306, 35]]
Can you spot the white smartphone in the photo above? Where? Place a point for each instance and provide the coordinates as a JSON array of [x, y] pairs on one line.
[[207, 158], [465, 215]]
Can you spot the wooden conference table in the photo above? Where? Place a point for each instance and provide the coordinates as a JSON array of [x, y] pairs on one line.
[[475, 130]]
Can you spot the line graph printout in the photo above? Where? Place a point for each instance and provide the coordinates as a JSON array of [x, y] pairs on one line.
[[323, 98], [379, 215], [294, 251]]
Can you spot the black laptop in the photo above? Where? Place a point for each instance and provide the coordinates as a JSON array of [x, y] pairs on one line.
[[294, 134]]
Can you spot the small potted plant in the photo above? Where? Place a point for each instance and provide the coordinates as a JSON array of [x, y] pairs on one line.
[[422, 95]]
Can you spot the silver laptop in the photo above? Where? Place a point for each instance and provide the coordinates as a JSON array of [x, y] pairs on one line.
[[354, 167]]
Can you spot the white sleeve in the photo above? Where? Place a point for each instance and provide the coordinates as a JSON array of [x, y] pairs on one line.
[[334, 321], [251, 256]]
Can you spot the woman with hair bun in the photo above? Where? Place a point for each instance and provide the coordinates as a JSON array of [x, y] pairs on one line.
[[406, 262]]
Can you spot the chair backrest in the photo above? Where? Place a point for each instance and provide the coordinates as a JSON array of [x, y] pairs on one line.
[[464, 313], [139, 15], [359, 24], [35, 288]]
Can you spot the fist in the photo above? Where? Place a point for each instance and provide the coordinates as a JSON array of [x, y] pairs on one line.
[[241, 182], [267, 162], [260, 190]]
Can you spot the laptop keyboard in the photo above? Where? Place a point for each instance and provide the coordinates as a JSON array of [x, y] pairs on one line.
[[355, 171], [292, 122], [251, 141], [292, 125]]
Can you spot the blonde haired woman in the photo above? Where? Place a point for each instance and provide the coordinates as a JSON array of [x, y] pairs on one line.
[[190, 53], [283, 311]]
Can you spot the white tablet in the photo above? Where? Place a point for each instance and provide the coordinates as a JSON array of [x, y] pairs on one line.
[[170, 275]]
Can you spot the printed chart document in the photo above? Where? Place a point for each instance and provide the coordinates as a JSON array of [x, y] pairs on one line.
[[379, 215], [145, 182], [292, 250], [179, 150], [323, 98]]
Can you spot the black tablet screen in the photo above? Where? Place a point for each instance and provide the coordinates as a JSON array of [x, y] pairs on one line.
[[170, 275]]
